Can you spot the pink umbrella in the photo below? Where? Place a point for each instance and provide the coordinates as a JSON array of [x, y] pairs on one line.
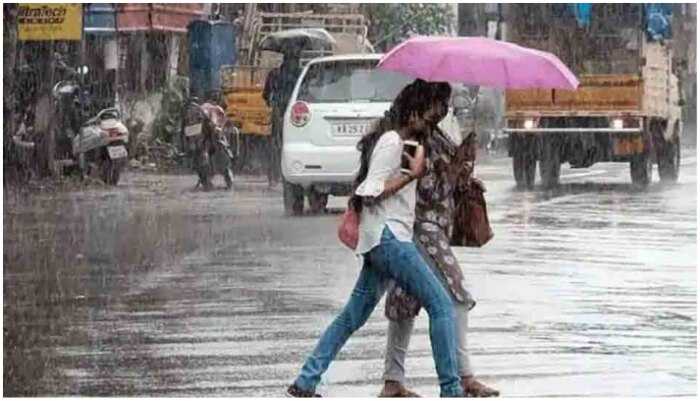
[[478, 61]]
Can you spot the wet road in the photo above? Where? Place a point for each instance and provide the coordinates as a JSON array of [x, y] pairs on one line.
[[150, 289]]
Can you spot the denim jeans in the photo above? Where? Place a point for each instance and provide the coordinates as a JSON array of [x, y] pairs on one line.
[[399, 334], [401, 261]]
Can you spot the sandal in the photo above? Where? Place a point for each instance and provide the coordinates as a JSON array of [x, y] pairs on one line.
[[393, 389], [474, 388]]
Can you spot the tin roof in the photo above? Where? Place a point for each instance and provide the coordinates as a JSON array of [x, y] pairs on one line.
[[139, 17]]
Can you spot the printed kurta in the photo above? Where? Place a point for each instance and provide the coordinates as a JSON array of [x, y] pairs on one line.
[[432, 229]]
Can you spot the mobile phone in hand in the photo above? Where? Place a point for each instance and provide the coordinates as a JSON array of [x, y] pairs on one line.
[[409, 147]]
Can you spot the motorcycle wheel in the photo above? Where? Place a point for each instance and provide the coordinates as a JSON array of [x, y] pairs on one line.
[[111, 171], [204, 170]]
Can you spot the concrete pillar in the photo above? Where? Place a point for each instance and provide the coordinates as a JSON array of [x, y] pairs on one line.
[[143, 44], [173, 56]]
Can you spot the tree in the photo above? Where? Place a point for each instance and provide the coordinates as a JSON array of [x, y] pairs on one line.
[[390, 24]]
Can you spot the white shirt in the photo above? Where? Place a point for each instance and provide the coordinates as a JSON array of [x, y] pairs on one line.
[[397, 211]]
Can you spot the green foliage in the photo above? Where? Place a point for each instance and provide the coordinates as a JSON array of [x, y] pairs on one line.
[[168, 122], [390, 24]]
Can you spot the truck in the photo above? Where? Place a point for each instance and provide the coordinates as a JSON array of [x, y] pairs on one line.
[[243, 83], [626, 108]]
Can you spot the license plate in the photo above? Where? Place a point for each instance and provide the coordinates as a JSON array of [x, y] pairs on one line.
[[117, 152], [192, 130], [354, 128]]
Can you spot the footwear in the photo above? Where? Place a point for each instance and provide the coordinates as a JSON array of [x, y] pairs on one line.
[[393, 389], [475, 388], [296, 392]]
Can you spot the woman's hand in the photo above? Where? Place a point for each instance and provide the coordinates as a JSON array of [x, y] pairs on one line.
[[416, 164]]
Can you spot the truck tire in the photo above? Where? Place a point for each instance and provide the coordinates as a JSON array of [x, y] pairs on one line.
[[669, 158], [317, 201], [641, 169], [524, 163], [293, 199], [550, 163]]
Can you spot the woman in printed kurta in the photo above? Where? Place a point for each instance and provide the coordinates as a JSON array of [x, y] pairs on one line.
[[433, 226]]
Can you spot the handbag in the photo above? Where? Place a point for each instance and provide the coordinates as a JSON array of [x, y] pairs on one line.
[[471, 221], [349, 229]]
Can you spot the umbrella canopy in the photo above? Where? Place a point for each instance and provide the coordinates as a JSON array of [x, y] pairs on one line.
[[478, 61], [294, 40]]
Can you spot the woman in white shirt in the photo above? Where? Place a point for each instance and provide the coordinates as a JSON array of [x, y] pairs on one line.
[[386, 200]]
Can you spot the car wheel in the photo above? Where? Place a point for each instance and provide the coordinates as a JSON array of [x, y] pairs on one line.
[[293, 199], [317, 201]]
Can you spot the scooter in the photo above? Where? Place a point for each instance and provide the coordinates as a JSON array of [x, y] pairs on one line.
[[102, 140], [207, 133]]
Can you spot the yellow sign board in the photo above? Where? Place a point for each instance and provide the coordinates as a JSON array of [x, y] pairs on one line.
[[49, 21]]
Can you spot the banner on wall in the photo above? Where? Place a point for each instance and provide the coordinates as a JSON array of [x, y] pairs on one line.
[[49, 21]]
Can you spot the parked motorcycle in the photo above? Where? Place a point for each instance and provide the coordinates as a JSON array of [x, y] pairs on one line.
[[207, 139], [104, 142], [102, 139]]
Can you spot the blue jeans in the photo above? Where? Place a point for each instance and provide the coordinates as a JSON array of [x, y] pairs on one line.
[[401, 262]]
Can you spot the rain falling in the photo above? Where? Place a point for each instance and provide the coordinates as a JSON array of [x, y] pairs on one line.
[[269, 200]]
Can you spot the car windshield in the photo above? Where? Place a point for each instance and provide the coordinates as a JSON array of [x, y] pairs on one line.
[[350, 81]]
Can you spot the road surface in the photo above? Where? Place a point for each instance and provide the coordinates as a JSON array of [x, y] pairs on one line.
[[152, 289]]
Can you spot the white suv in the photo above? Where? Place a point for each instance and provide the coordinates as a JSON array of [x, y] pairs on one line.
[[336, 100]]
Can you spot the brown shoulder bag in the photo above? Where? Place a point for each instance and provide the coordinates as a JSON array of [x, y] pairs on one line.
[[471, 222]]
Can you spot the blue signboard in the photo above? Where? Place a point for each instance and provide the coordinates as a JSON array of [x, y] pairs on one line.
[[100, 18]]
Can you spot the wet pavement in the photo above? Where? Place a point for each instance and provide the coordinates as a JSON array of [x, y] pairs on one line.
[[151, 289]]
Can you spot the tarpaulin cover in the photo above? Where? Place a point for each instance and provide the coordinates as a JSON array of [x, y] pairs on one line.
[[657, 18]]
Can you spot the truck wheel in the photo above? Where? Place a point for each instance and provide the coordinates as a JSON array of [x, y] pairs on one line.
[[524, 165], [293, 199], [641, 169], [317, 201], [669, 158], [550, 164]]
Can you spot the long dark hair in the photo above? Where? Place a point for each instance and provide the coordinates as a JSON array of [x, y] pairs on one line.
[[441, 92], [414, 98]]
